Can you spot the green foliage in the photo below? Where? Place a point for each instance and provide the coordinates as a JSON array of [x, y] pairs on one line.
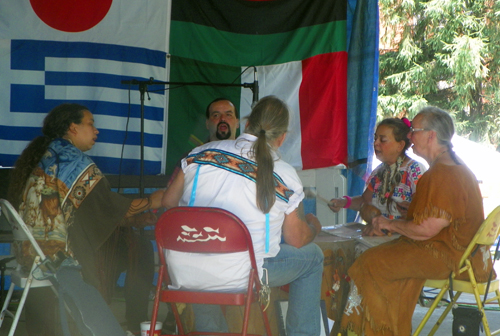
[[444, 53]]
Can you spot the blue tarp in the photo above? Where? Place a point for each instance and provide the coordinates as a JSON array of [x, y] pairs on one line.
[[362, 90]]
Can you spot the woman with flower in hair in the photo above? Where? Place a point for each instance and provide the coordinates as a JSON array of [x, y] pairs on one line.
[[444, 215], [390, 187]]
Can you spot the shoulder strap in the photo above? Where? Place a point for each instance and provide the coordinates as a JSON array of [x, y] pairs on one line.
[[195, 185]]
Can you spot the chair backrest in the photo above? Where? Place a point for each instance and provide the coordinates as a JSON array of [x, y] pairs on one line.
[[202, 230], [487, 233], [490, 229], [20, 230]]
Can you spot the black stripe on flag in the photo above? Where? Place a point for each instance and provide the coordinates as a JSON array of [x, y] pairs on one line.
[[259, 17]]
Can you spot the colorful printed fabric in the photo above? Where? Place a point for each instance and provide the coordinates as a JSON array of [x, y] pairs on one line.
[[410, 174], [55, 189]]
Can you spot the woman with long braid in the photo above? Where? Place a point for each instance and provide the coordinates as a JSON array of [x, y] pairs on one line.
[[246, 177]]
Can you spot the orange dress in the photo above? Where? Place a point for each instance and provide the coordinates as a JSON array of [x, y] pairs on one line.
[[389, 277]]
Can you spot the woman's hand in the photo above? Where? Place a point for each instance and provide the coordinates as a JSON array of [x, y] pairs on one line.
[[368, 212], [355, 202], [337, 204], [380, 226], [140, 220], [139, 205], [144, 219], [403, 208], [367, 230]]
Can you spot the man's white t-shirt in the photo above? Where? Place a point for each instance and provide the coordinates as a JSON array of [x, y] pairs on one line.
[[220, 187]]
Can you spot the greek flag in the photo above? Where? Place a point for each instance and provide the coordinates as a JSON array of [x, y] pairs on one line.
[[44, 63]]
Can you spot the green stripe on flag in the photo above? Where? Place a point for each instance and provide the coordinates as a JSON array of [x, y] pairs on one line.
[[187, 104], [214, 46]]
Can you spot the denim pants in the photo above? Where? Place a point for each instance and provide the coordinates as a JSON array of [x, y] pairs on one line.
[[302, 269]]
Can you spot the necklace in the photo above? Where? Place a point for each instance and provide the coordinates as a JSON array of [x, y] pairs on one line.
[[390, 177], [437, 157]]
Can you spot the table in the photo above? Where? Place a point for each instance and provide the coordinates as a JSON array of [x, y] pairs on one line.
[[339, 255], [342, 239]]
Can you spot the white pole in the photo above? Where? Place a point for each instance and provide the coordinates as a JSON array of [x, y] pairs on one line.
[[167, 92]]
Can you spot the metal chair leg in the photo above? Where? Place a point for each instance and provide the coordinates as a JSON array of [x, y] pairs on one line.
[[431, 310], [23, 297], [6, 303]]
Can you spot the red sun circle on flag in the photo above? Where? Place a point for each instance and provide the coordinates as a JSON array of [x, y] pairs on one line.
[[71, 15]]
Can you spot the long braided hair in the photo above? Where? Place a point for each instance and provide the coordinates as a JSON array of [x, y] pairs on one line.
[[390, 176], [268, 121], [55, 125]]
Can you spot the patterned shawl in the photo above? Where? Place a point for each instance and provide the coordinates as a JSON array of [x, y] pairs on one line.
[[53, 192]]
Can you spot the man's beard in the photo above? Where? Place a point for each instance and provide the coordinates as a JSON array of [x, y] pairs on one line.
[[223, 136]]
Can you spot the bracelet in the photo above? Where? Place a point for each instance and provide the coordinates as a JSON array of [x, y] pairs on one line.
[[349, 201]]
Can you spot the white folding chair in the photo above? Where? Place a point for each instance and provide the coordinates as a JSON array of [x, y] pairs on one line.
[[20, 277]]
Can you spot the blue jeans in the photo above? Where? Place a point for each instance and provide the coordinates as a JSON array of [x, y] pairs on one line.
[[302, 269]]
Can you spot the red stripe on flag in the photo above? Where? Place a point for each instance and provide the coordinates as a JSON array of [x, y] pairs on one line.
[[323, 110]]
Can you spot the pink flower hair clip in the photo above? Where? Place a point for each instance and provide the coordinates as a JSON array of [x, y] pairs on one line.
[[406, 121]]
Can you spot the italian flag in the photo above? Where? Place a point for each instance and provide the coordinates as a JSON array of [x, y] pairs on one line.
[[297, 48]]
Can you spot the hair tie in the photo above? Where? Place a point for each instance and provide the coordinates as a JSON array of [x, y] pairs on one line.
[[263, 132], [406, 121]]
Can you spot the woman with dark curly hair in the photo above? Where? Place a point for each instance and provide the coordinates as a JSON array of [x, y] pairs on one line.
[[66, 200]]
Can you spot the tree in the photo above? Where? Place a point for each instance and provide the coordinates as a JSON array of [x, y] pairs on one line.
[[444, 53]]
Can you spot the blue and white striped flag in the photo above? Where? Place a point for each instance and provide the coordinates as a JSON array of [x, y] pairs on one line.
[[46, 61]]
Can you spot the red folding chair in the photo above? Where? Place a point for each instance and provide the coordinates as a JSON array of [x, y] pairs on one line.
[[170, 231]]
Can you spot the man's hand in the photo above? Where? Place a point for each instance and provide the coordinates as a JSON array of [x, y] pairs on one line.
[[313, 223], [300, 229]]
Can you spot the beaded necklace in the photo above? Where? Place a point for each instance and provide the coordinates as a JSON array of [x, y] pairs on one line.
[[389, 176]]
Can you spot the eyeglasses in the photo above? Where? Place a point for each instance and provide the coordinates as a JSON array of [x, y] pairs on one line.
[[412, 130]]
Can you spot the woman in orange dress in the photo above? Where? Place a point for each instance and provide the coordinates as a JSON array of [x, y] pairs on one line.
[[442, 219]]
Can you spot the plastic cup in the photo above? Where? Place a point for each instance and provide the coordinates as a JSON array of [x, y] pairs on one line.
[[145, 326]]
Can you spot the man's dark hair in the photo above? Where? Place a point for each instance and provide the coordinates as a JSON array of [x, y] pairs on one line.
[[207, 112]]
